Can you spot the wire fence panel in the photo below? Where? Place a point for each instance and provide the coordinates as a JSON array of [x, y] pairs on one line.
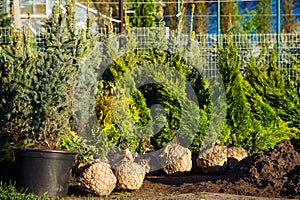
[[4, 34], [290, 51], [37, 35], [248, 45]]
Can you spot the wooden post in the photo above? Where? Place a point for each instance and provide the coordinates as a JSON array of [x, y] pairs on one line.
[[121, 17]]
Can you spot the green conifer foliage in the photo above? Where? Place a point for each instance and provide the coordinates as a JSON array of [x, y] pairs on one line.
[[264, 17], [4, 19], [122, 134], [172, 12], [38, 90], [269, 127], [229, 16], [163, 121], [127, 136], [201, 18], [17, 69], [238, 109], [277, 89], [144, 14], [262, 107], [60, 54]]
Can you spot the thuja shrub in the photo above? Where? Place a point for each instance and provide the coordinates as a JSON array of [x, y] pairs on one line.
[[120, 132], [172, 103], [238, 109], [162, 122], [262, 104], [255, 119], [273, 87]]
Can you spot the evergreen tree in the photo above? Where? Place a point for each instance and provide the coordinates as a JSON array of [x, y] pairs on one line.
[[144, 14], [38, 80], [167, 119], [103, 8], [248, 26], [4, 19], [288, 17], [276, 88], [172, 12], [127, 135], [17, 68], [264, 17], [257, 105], [201, 18], [229, 16], [238, 118], [59, 62]]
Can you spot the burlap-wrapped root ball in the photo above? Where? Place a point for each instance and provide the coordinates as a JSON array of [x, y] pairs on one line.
[[98, 178], [176, 158], [213, 160], [130, 175]]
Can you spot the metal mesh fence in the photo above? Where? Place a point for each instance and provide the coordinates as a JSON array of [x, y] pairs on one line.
[[4, 35], [248, 45], [251, 46], [37, 35]]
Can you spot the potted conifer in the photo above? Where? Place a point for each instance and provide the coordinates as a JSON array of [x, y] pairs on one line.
[[36, 100]]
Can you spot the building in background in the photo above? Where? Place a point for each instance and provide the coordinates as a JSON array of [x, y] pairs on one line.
[[40, 10]]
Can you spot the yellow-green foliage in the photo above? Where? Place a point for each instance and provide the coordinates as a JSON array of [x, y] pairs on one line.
[[117, 95], [263, 105]]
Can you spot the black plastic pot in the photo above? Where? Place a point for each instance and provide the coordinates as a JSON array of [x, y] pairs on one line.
[[42, 171]]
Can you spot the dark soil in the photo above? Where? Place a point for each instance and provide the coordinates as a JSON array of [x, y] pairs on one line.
[[270, 173]]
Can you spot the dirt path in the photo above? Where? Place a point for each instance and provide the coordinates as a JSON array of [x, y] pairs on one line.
[[204, 196]]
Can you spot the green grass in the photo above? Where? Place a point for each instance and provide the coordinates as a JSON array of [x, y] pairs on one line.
[[10, 192]]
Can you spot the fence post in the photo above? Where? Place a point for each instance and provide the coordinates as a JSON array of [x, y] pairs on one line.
[[121, 8], [278, 34], [219, 22]]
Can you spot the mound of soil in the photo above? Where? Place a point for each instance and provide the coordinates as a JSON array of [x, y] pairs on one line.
[[270, 173], [270, 168], [291, 186]]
